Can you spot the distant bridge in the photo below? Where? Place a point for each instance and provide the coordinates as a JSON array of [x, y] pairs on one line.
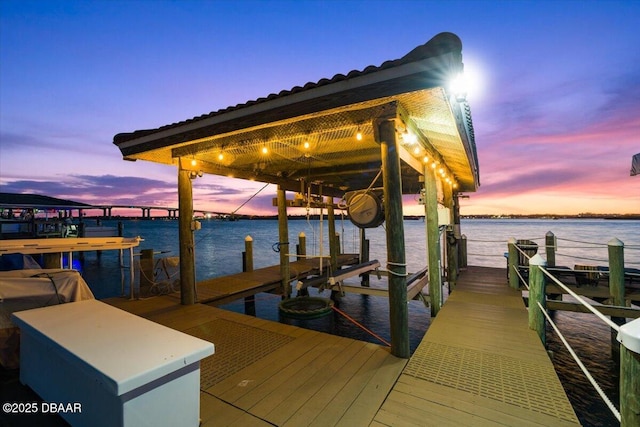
[[172, 212]]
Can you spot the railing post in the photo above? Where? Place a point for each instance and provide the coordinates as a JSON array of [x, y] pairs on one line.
[[616, 288], [550, 248], [512, 264], [629, 337], [537, 285]]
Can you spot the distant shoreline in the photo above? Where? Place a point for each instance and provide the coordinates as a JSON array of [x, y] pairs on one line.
[[406, 217]]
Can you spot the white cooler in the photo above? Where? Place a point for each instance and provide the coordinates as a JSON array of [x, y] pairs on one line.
[[117, 368]]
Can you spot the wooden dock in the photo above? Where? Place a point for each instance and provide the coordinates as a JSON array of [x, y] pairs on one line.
[[221, 290], [265, 373], [478, 364]]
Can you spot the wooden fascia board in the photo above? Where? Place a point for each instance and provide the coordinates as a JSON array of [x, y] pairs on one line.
[[387, 82]]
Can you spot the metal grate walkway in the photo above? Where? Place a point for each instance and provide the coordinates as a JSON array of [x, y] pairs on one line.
[[479, 364]]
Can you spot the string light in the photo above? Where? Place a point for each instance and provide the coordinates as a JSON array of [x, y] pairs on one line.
[[416, 150], [425, 159], [193, 162], [359, 134], [221, 156], [265, 150], [306, 145]]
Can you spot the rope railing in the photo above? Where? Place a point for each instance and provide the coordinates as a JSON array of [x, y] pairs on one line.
[[580, 299], [583, 368], [537, 296]]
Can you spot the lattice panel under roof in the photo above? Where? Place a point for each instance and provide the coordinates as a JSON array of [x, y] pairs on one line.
[[333, 157]]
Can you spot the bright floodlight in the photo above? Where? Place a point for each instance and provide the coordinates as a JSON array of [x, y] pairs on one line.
[[458, 87]]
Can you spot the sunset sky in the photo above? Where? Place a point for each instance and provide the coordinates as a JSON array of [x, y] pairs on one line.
[[556, 108]]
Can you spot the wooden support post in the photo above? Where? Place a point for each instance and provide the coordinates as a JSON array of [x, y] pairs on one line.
[[283, 235], [333, 249], [302, 245], [452, 259], [449, 239], [52, 260], [463, 251], [302, 254], [629, 337], [512, 264], [146, 271], [616, 288], [550, 248], [364, 257], [537, 289], [433, 235], [396, 261], [550, 252], [185, 224], [247, 265]]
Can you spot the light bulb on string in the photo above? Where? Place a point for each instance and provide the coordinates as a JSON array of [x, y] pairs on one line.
[[359, 134]]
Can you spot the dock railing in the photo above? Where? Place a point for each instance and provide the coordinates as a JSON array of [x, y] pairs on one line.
[[626, 334]]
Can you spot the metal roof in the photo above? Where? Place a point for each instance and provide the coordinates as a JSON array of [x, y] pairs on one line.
[[307, 135], [30, 201]]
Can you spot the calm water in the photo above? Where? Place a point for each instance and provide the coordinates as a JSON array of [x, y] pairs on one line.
[[219, 246]]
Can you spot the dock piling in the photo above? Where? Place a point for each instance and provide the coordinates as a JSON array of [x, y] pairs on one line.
[[616, 288], [550, 248], [537, 294], [512, 264], [247, 265], [629, 337]]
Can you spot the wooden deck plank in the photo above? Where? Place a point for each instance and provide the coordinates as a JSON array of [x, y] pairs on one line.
[[234, 387], [304, 378], [482, 408], [364, 407], [269, 394], [311, 402]]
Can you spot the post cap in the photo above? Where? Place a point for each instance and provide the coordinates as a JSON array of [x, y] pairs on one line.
[[615, 242], [549, 234], [301, 234], [512, 241], [248, 239], [537, 260], [629, 336]]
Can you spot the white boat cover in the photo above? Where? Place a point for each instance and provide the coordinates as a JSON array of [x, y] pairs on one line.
[[635, 165], [33, 288]]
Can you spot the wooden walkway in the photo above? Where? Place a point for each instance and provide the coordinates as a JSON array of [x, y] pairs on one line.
[[221, 290], [265, 373], [478, 364]]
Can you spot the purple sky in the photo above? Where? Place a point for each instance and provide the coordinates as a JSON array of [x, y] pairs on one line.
[[556, 115]]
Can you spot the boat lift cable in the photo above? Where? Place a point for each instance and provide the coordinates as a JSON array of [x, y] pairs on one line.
[[249, 199], [586, 372], [355, 322], [233, 213]]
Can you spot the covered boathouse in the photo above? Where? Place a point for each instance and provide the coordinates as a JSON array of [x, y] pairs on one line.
[[367, 137]]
